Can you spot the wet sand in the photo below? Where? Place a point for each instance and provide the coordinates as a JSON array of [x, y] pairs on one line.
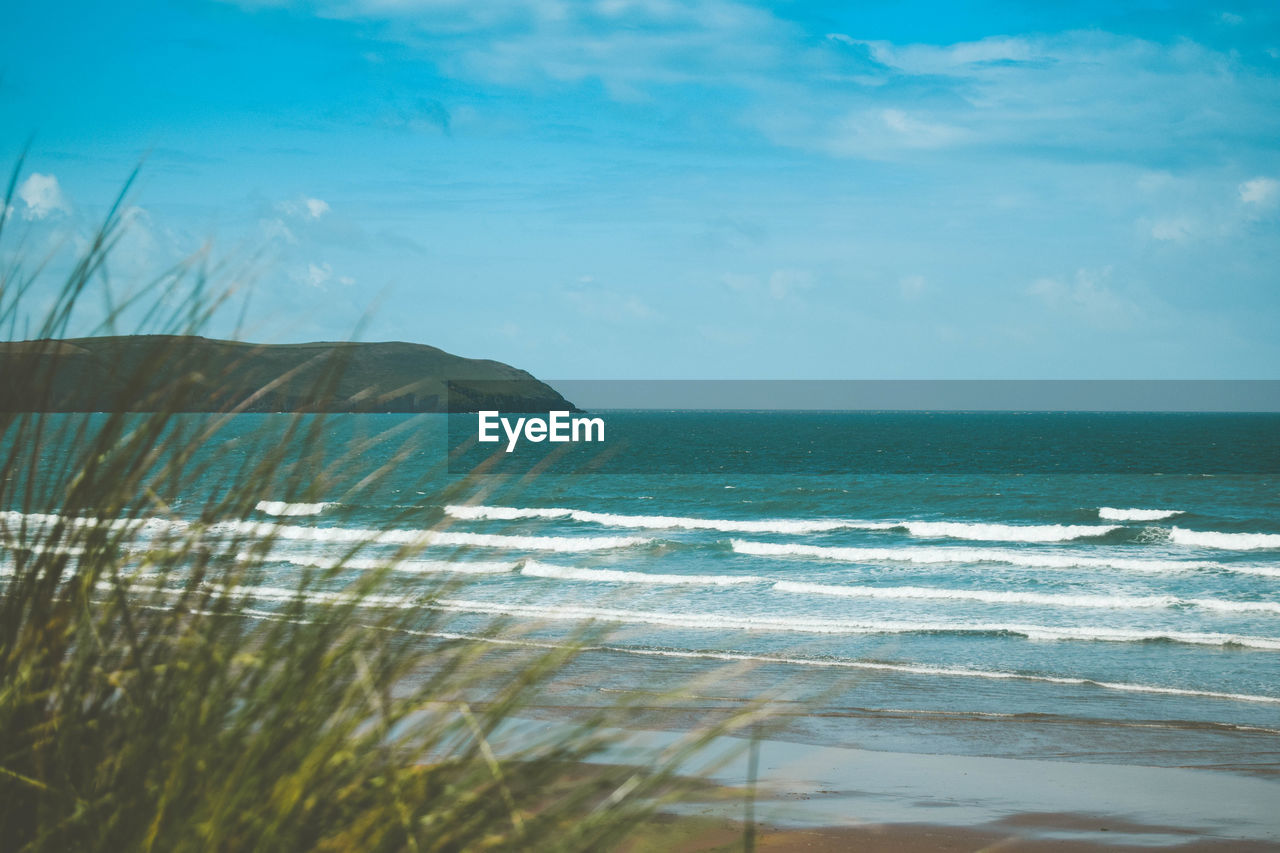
[[1019, 833], [831, 798]]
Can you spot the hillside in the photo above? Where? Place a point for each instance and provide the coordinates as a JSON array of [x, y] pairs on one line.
[[195, 374]]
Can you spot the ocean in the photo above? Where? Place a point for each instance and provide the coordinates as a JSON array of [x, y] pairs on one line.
[[1083, 587]]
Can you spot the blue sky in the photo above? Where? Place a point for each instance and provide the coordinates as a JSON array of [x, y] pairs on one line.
[[658, 189]]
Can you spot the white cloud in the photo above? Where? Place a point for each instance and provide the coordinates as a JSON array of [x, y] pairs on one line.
[[138, 250], [912, 286], [1057, 96], [785, 283], [275, 229], [1172, 230], [914, 132], [1151, 182], [1061, 96], [637, 308], [304, 208], [1089, 298], [875, 134], [1260, 191], [316, 276], [739, 282], [780, 284], [607, 304], [42, 196], [959, 58], [626, 45]]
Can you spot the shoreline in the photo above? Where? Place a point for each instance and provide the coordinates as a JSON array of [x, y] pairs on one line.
[[831, 798], [1049, 832]]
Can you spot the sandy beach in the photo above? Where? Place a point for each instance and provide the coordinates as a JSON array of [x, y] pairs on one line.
[[692, 834], [831, 798]]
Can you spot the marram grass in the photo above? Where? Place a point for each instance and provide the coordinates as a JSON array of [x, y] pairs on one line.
[[142, 709]]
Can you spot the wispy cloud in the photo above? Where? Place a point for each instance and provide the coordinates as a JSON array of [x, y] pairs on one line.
[[1175, 229], [304, 207], [1084, 94], [912, 287], [1260, 191], [317, 275], [607, 304], [1090, 297], [884, 168], [42, 196], [1070, 96], [787, 283]]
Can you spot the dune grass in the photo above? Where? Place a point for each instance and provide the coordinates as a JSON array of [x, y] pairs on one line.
[[151, 699]]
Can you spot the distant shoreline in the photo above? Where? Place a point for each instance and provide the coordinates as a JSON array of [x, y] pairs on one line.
[[813, 797], [187, 373]]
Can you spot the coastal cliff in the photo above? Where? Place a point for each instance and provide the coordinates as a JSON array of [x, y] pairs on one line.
[[196, 374]]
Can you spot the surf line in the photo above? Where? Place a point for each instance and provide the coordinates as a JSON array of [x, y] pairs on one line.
[[556, 427]]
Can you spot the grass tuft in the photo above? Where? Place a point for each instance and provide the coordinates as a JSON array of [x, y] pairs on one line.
[[151, 697]]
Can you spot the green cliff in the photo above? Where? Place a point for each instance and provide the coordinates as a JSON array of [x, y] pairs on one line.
[[195, 374]]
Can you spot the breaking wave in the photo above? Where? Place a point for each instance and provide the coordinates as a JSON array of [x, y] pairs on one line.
[[810, 625], [929, 529], [545, 570], [462, 567], [839, 663], [1006, 532], [1113, 514], [1225, 541], [1106, 602], [352, 535], [565, 544], [657, 522], [876, 666], [922, 669], [283, 508], [1027, 559]]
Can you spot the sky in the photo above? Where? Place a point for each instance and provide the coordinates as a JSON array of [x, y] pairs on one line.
[[655, 189]]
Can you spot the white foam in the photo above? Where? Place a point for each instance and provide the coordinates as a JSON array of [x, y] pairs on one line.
[[1230, 541], [908, 593], [1225, 606], [657, 522], [913, 669], [1104, 602], [276, 593], [564, 544], [265, 530], [808, 625], [462, 567], [1006, 532], [931, 529], [920, 669], [1111, 513], [41, 520], [1026, 559], [535, 569], [45, 550], [283, 508]]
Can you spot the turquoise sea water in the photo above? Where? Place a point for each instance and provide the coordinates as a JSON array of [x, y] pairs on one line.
[[1088, 586]]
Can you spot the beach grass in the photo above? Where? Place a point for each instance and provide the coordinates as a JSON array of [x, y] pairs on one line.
[[150, 700]]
